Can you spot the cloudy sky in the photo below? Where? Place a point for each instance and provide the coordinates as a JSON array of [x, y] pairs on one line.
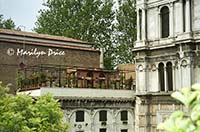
[[22, 12]]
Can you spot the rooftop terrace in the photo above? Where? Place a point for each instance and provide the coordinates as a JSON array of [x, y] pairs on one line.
[[56, 76]]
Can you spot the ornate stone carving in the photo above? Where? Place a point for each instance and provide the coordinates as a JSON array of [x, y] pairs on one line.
[[184, 63], [153, 67], [140, 68]]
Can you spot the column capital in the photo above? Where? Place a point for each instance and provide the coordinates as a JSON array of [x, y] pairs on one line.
[[171, 4]]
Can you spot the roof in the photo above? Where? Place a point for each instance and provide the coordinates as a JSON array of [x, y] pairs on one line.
[[126, 67], [15, 36], [36, 35]]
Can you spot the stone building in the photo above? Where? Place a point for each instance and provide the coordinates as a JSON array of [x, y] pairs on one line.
[[92, 99], [167, 57], [69, 69]]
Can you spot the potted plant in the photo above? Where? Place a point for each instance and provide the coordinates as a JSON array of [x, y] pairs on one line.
[[19, 80], [50, 81], [112, 84], [42, 79], [27, 83], [96, 84], [64, 83]]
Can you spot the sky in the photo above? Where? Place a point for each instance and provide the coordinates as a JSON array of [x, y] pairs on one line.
[[23, 12]]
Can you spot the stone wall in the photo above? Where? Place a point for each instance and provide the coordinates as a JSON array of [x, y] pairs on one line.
[[150, 110], [92, 108]]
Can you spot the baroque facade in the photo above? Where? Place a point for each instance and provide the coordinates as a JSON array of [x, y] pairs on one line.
[[167, 57]]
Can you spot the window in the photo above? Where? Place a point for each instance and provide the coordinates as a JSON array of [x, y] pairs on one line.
[[124, 115], [124, 130], [80, 116], [140, 24], [165, 22], [102, 130], [161, 76], [103, 115], [169, 76]]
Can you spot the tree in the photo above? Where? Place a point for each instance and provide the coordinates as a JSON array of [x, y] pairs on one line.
[[93, 21], [125, 31], [22, 113], [189, 121], [6, 23], [87, 20]]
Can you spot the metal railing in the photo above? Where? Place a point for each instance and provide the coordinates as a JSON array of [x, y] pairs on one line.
[[35, 77]]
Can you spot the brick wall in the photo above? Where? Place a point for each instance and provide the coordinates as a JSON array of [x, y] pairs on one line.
[[10, 63]]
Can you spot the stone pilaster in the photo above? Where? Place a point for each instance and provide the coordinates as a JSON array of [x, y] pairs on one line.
[[181, 15], [171, 19], [144, 24], [188, 14], [138, 25]]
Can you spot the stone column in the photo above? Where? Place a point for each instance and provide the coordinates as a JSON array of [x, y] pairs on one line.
[[146, 77], [180, 77], [138, 25], [157, 78], [158, 23], [144, 24], [188, 16], [101, 58], [165, 75], [190, 72], [181, 15], [171, 18], [137, 79], [173, 77]]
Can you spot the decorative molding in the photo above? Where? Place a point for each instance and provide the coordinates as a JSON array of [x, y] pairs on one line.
[[153, 67], [184, 63], [162, 115], [140, 68]]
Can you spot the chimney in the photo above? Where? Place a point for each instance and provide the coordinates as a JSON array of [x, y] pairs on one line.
[[101, 58]]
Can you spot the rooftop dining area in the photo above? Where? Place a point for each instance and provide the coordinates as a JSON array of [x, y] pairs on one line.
[[35, 77]]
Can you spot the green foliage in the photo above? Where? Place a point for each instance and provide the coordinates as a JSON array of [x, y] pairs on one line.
[[6, 23], [185, 122], [125, 31], [21, 113], [95, 21]]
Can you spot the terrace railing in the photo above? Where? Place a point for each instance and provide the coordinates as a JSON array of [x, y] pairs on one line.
[[73, 77]]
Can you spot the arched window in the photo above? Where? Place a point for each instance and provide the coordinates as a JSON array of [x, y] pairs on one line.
[[140, 23], [161, 76], [169, 76], [164, 22]]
